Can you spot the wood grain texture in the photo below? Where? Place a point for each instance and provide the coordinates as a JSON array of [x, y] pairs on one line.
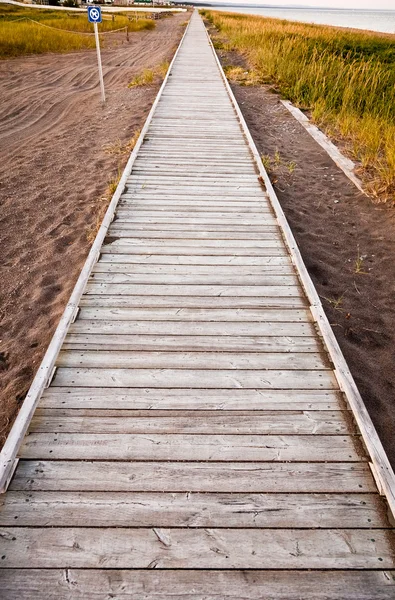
[[94, 584], [192, 360], [148, 509], [245, 477], [197, 314], [188, 378], [188, 399], [192, 447], [195, 548], [275, 422]]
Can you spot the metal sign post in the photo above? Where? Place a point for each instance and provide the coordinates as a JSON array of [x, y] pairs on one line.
[[94, 16]]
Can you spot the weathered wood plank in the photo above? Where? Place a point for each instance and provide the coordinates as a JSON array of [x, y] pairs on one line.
[[146, 215], [192, 447], [197, 260], [187, 399], [116, 359], [111, 247], [132, 289], [278, 423], [197, 314], [199, 302], [152, 584], [147, 509], [191, 233], [189, 378], [74, 475], [197, 328], [153, 278], [195, 548], [168, 226], [184, 343], [228, 245], [210, 270]]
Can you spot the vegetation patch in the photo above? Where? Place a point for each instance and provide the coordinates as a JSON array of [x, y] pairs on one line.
[[242, 76], [37, 31], [150, 76], [344, 78]]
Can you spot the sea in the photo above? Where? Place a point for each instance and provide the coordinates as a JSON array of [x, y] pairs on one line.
[[381, 20]]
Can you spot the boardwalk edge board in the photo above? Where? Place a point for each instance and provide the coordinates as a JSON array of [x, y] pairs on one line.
[[381, 468], [8, 460]]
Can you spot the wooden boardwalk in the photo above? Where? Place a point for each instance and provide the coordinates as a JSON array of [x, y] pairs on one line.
[[194, 443]]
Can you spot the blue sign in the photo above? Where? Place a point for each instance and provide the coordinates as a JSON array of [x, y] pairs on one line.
[[94, 14]]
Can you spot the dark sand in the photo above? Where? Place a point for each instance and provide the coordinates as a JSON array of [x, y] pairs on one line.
[[54, 172], [334, 225]]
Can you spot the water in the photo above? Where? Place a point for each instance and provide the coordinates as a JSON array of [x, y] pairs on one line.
[[381, 20]]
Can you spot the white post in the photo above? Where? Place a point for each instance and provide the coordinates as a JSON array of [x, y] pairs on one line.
[[103, 95]]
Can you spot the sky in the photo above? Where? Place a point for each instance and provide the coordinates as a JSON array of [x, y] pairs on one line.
[[361, 4]]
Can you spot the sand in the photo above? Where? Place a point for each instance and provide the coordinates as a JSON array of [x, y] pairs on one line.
[[335, 226], [54, 172]]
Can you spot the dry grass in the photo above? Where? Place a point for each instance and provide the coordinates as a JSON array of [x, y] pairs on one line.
[[345, 78], [150, 76], [19, 36], [242, 76]]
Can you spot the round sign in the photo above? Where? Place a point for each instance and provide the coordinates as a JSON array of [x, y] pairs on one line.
[[94, 14]]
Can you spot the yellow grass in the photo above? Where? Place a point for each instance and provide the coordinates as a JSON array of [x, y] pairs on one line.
[[149, 76], [19, 35], [345, 78]]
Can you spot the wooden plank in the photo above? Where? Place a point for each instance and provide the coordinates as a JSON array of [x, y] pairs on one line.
[[196, 314], [153, 584], [259, 315], [113, 246], [195, 378], [119, 289], [265, 279], [235, 218], [171, 415], [197, 260], [228, 245], [191, 360], [192, 447], [175, 195], [170, 225], [128, 204], [195, 548], [187, 399], [147, 509], [276, 423], [185, 343], [194, 328], [229, 477], [235, 270], [198, 217], [194, 207], [195, 302], [193, 234]]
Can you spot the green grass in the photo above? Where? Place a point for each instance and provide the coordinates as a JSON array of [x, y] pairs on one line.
[[19, 37], [346, 78]]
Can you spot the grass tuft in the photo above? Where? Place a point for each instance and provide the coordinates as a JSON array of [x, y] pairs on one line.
[[242, 76], [150, 76]]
